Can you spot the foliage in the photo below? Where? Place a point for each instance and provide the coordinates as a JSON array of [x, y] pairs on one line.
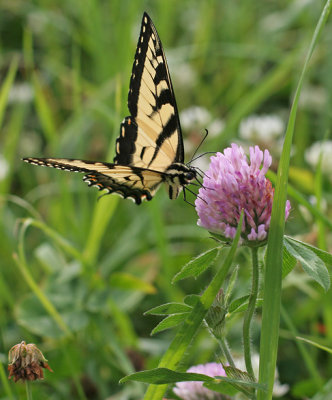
[[78, 273]]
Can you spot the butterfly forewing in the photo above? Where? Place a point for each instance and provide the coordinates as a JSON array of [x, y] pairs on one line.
[[152, 105]]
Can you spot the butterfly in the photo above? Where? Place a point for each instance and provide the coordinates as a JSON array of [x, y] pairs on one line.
[[149, 150]]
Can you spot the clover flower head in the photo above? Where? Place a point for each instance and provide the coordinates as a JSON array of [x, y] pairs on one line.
[[232, 184], [195, 390], [26, 362]]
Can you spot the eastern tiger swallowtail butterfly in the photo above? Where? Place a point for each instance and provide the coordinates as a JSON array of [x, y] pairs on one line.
[[149, 150]]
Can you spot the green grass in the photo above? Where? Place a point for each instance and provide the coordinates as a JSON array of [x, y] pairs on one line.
[[62, 250]]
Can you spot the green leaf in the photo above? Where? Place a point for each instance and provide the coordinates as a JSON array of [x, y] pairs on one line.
[[169, 308], [288, 262], [273, 270], [241, 304], [241, 380], [192, 299], [160, 376], [310, 262], [32, 316], [325, 392], [235, 304], [169, 322], [122, 280], [323, 255], [222, 387], [197, 265], [189, 328], [244, 385]]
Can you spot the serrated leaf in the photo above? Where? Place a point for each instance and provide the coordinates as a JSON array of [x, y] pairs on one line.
[[198, 265], [169, 322], [161, 376], [310, 262], [169, 308], [122, 280]]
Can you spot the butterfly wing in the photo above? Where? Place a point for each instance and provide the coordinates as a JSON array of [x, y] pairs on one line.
[[127, 181], [151, 137]]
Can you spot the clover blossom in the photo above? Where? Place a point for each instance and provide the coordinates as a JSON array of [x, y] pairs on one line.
[[26, 362], [194, 390], [232, 184]]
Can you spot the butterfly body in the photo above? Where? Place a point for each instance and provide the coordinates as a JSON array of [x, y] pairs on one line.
[[149, 150]]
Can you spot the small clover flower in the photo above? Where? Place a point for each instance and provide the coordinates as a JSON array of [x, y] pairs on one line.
[[26, 362], [261, 127], [194, 390], [232, 184]]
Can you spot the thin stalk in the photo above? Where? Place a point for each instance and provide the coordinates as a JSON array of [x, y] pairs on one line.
[[250, 312], [225, 349], [28, 390]]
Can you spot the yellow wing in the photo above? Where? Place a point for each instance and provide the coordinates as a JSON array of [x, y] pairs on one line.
[[151, 137]]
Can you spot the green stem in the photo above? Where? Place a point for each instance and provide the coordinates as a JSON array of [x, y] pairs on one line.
[[250, 312], [225, 349], [28, 390], [179, 345]]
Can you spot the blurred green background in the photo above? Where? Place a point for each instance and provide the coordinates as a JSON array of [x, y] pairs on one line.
[[77, 274]]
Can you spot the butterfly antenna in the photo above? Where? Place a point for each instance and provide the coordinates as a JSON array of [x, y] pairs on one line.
[[201, 155], [205, 136]]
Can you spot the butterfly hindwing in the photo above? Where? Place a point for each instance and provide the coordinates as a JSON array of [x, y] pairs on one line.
[[136, 183]]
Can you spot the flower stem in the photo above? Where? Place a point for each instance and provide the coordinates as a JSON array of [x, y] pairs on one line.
[[225, 349], [250, 312], [28, 390]]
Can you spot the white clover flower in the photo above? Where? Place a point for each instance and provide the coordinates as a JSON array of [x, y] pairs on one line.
[[4, 167], [183, 74], [312, 155], [199, 118], [194, 117], [21, 93], [313, 97], [261, 128]]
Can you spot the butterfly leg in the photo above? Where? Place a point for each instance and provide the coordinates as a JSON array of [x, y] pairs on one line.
[[185, 197]]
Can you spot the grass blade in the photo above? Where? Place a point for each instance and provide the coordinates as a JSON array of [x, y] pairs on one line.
[[272, 284]]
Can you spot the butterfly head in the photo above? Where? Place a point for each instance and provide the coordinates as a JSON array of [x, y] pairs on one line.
[[181, 174]]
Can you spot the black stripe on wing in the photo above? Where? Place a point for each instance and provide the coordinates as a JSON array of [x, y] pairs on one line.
[[125, 143]]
